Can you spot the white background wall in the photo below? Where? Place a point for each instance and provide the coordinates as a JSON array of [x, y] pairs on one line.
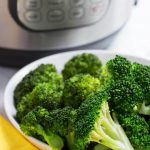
[[135, 36]]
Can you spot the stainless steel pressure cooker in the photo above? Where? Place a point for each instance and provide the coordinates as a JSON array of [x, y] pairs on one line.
[[33, 28]]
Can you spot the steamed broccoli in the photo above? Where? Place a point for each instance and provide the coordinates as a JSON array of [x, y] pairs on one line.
[[130, 85], [61, 122], [136, 129], [77, 110], [133, 89], [141, 75], [94, 123], [83, 63], [31, 126], [118, 67], [58, 122], [78, 88], [48, 95], [39, 75], [115, 69], [126, 95]]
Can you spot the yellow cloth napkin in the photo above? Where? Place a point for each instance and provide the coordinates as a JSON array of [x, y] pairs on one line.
[[11, 139]]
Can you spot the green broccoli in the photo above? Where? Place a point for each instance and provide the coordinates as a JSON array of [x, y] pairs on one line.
[[78, 88], [39, 75], [118, 67], [115, 69], [91, 93], [95, 124], [141, 74], [136, 129], [70, 138], [84, 63], [134, 94], [31, 126], [60, 122], [126, 95], [48, 95]]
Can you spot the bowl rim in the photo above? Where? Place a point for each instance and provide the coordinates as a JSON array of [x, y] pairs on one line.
[[37, 62]]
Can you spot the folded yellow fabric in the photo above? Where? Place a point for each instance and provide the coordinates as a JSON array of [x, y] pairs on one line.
[[11, 139]]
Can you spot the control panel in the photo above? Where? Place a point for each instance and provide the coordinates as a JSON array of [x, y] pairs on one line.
[[60, 14]]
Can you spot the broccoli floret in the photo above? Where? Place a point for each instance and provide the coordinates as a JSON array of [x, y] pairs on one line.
[[78, 88], [118, 67], [59, 122], [126, 95], [31, 126], [115, 69], [131, 85], [95, 124], [136, 129], [84, 63], [39, 75], [141, 74], [48, 95]]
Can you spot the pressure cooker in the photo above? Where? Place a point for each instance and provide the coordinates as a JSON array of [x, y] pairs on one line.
[[30, 29]]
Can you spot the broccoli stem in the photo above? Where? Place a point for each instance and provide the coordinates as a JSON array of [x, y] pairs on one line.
[[53, 140], [124, 138], [101, 147], [110, 133], [70, 141], [145, 110], [101, 137], [108, 123], [122, 134]]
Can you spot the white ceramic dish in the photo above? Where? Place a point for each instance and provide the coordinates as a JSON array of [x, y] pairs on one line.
[[58, 60]]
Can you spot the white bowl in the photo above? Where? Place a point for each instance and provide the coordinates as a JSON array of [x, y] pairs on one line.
[[58, 60]]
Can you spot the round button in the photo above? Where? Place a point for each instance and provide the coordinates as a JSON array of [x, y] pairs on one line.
[[33, 16], [55, 2], [32, 4], [77, 2], [55, 15], [76, 13]]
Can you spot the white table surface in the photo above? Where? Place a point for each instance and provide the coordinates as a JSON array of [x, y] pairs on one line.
[[133, 39]]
